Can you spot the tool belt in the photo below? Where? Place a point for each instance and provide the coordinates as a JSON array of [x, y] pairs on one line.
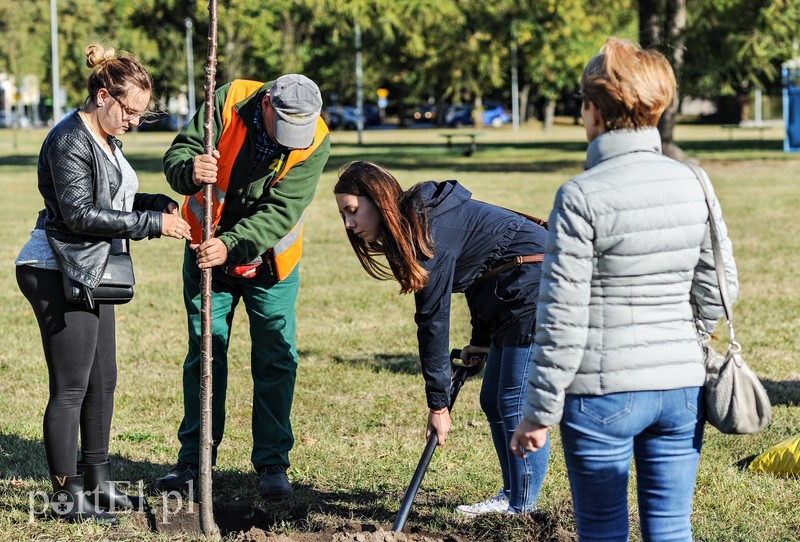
[[516, 262]]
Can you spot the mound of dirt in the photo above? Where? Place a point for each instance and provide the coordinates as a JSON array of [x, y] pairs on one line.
[[257, 535], [382, 536]]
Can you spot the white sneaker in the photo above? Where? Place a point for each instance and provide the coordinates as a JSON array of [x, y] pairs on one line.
[[498, 503]]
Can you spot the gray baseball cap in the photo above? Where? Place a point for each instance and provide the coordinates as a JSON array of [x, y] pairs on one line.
[[297, 102]]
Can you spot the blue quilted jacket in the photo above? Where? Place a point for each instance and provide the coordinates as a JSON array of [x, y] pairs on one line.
[[470, 238]]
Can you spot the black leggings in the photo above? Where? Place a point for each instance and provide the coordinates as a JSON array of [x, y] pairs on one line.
[[80, 350]]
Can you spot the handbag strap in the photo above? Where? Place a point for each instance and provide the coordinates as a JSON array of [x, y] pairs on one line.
[[516, 262], [722, 278], [123, 243]]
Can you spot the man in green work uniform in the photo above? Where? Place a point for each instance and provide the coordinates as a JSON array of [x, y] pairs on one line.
[[270, 148]]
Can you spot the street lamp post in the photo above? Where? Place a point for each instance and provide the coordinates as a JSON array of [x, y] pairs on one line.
[[359, 90], [57, 114], [514, 79], [190, 68]]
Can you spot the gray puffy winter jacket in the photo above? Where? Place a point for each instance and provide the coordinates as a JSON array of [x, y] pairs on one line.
[[628, 254]]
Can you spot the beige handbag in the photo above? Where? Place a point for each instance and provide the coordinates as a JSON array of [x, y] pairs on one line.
[[735, 400]]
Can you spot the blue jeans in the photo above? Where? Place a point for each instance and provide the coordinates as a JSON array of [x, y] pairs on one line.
[[663, 430], [502, 396]]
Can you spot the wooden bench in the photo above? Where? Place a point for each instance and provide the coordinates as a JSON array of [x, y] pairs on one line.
[[733, 127], [470, 137]]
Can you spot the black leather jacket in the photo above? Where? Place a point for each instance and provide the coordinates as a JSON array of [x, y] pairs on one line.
[[78, 182]]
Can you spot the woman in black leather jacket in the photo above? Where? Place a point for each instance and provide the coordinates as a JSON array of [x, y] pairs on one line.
[[91, 206]]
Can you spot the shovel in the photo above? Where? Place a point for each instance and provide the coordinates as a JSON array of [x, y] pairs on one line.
[[460, 375]]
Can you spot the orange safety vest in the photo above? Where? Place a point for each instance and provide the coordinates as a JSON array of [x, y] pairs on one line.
[[287, 252]]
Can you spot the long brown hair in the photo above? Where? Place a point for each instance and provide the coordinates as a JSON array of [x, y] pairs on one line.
[[404, 238]]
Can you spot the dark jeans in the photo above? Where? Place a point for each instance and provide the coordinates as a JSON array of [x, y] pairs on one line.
[[80, 350]]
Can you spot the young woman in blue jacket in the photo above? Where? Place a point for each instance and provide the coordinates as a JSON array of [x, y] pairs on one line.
[[438, 241]]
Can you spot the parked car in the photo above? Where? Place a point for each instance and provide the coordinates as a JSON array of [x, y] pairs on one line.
[[14, 120], [425, 114], [461, 115], [164, 122], [345, 117], [341, 117]]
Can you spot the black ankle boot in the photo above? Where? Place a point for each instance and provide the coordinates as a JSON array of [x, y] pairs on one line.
[[98, 480], [69, 501]]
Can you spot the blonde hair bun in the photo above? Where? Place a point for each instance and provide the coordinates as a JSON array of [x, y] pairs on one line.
[[97, 55]]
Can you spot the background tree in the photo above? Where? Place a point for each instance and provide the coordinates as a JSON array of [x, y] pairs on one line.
[[155, 33], [661, 26], [447, 51], [557, 37], [26, 49], [734, 46]]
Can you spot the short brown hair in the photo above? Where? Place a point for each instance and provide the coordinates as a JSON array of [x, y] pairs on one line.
[[630, 86]]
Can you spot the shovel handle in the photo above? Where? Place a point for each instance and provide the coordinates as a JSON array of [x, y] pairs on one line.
[[460, 375], [416, 481], [470, 370]]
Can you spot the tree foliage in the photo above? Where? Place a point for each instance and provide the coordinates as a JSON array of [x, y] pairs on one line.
[[733, 46], [444, 51]]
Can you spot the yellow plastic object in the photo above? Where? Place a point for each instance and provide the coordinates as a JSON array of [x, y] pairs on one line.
[[782, 459]]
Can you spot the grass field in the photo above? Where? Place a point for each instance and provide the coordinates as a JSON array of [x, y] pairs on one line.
[[359, 410]]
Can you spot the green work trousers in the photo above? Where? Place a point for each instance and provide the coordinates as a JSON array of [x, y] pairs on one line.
[[270, 307]]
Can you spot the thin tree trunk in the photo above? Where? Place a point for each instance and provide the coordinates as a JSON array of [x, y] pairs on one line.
[[549, 113], [207, 523], [524, 99], [649, 23], [661, 26]]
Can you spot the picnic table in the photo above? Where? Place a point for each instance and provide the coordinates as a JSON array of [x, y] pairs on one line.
[[745, 126], [471, 138]]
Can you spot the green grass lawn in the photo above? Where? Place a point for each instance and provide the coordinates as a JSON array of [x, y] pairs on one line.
[[359, 413]]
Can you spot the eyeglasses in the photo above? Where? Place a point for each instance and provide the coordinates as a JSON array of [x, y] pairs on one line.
[[130, 114]]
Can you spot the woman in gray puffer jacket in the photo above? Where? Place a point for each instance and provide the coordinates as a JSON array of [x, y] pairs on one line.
[[628, 267]]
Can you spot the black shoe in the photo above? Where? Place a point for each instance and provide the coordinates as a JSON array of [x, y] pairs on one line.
[[105, 494], [69, 502], [273, 483], [181, 478]]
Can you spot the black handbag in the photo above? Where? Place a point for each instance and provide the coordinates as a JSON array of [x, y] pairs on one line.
[[115, 287]]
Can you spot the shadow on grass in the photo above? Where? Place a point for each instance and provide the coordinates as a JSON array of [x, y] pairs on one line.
[[394, 363], [783, 392], [316, 514], [21, 160], [25, 458], [735, 147], [406, 162]]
